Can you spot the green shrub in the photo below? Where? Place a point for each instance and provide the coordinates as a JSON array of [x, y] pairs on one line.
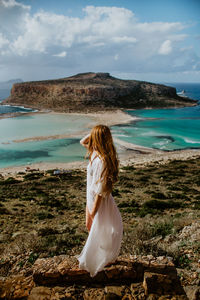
[[51, 179], [47, 231], [116, 192], [10, 180], [131, 203], [158, 195], [33, 176], [144, 178], [145, 211], [162, 228], [32, 257], [44, 215], [128, 168], [161, 205], [181, 261]]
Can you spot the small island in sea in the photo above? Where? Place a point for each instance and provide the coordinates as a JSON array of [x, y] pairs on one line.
[[92, 92]]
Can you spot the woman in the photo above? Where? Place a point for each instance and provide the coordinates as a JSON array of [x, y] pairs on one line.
[[103, 219]]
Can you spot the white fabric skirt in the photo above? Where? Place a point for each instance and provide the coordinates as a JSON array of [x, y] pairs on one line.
[[104, 240]]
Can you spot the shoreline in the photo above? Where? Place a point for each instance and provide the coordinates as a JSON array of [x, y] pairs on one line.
[[128, 153], [139, 157]]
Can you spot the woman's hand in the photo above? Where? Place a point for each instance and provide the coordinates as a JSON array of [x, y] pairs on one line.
[[97, 202], [89, 219], [85, 141]]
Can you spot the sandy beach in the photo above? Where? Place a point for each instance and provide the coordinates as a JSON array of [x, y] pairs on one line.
[[128, 153]]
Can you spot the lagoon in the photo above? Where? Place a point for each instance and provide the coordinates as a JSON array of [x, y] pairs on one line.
[[14, 153]]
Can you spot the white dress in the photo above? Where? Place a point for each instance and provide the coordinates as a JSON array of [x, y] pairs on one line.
[[105, 236]]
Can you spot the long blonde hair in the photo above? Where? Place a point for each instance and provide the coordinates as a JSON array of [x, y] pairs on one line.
[[101, 142]]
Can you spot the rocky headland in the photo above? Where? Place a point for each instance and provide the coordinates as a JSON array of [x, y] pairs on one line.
[[89, 92]]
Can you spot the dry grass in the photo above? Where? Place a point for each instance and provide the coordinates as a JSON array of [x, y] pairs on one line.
[[44, 215]]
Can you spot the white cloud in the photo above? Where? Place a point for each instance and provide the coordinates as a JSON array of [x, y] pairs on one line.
[[116, 57], [61, 54], [160, 27], [165, 48], [101, 26], [124, 39], [12, 3], [92, 42], [3, 41]]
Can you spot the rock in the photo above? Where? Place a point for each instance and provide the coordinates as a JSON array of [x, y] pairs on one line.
[[112, 296], [93, 91], [127, 297], [192, 292], [64, 269], [160, 284], [60, 278], [191, 231], [152, 297], [137, 289], [17, 233], [3, 237], [40, 293], [117, 290], [23, 233], [93, 293], [16, 287]]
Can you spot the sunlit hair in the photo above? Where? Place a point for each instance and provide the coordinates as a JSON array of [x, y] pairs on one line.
[[101, 142]]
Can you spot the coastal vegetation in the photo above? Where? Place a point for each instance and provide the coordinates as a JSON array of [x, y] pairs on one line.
[[43, 214]]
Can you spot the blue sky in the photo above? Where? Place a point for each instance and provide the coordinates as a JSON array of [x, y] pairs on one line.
[[152, 40]]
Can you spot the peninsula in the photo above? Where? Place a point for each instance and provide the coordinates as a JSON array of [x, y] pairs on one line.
[[92, 92]]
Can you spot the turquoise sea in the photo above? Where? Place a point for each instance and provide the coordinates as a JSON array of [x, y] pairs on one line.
[[166, 129]]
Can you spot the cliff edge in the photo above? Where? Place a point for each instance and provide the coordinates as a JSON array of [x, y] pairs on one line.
[[93, 92]]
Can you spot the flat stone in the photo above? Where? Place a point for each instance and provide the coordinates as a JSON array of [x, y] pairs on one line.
[[64, 269]]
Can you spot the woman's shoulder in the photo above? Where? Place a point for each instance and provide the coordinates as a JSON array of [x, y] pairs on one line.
[[96, 158]]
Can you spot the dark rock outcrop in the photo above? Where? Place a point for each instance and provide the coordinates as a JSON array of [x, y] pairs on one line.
[[128, 278], [92, 92]]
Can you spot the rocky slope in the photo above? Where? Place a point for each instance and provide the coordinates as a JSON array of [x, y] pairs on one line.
[[94, 91], [128, 278], [42, 228]]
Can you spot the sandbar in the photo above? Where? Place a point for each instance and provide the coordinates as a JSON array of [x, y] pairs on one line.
[[108, 118]]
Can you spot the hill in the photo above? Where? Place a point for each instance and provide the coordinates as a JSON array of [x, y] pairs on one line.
[[94, 92]]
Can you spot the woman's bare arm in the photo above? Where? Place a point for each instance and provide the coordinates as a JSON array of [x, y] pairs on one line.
[[97, 202], [85, 140]]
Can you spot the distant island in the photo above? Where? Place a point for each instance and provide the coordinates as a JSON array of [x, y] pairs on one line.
[[8, 84], [90, 92]]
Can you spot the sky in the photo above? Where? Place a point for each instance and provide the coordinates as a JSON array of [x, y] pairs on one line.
[[151, 40]]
